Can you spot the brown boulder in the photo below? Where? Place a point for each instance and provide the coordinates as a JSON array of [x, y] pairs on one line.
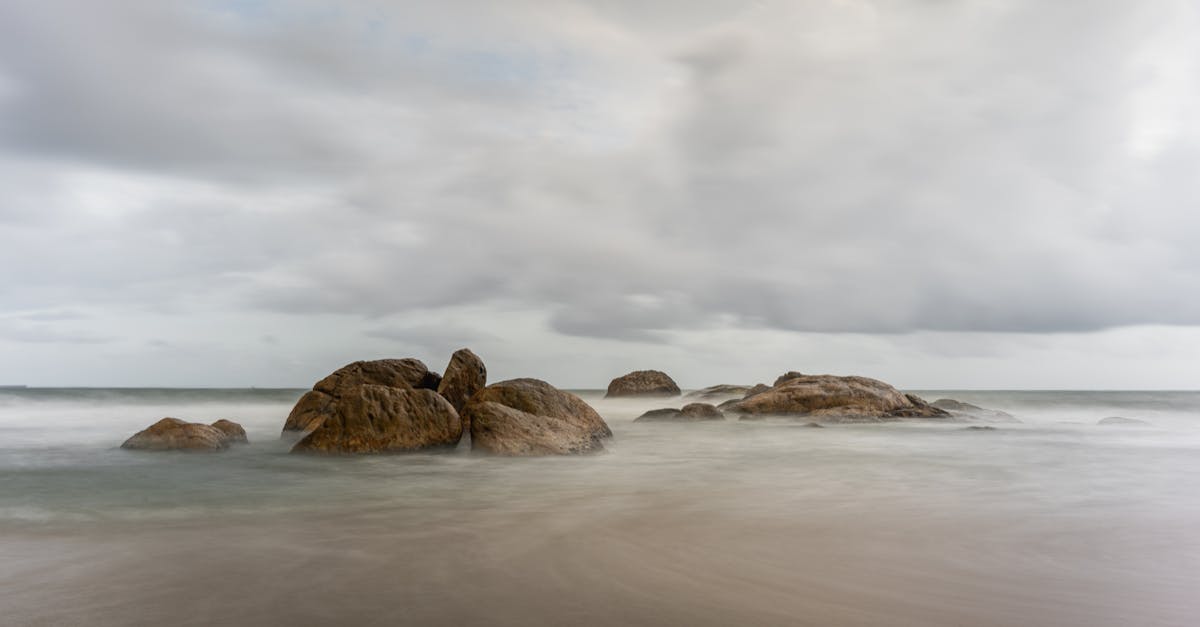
[[532, 417], [465, 375], [643, 383], [785, 377], [234, 433], [173, 434], [758, 389], [321, 401], [692, 412], [834, 398], [380, 419]]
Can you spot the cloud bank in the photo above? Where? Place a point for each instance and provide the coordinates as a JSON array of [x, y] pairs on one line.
[[641, 180]]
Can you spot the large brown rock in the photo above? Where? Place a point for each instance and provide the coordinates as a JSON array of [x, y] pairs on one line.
[[692, 412], [321, 401], [381, 419], [532, 417], [465, 375], [173, 434], [832, 398], [643, 383]]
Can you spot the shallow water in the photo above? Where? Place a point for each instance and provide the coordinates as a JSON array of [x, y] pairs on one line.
[[1054, 521]]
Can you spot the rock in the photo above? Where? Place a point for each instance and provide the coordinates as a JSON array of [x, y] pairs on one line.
[[1117, 420], [785, 377], [729, 404], [532, 417], [321, 402], [173, 434], [717, 391], [758, 389], [465, 375], [692, 412], [643, 383], [967, 411], [814, 425], [234, 433], [834, 398], [979, 428], [374, 418]]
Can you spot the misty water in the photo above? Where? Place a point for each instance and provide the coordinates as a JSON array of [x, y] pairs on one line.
[[1053, 521]]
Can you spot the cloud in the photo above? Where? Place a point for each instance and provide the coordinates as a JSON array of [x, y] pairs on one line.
[[617, 170]]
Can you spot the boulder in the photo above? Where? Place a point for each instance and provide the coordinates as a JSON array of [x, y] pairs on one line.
[[834, 398], [1117, 420], [531, 417], [692, 412], [718, 391], [321, 401], [173, 434], [643, 383], [234, 433], [967, 411], [465, 375], [785, 377], [758, 389], [374, 418]]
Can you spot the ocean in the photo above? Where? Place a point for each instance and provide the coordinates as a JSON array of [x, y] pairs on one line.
[[1054, 521]]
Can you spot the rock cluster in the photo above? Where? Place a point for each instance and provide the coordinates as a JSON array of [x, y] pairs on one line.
[[173, 434], [643, 383], [397, 405], [831, 398]]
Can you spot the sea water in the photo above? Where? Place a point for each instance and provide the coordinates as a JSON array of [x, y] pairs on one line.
[[1051, 521]]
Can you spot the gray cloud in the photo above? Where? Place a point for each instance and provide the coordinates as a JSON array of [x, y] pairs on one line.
[[621, 171]]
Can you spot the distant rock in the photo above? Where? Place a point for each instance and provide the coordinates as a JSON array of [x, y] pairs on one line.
[[465, 375], [758, 389], [785, 377], [373, 418], [526, 417], [967, 411], [321, 401], [692, 412], [173, 434], [643, 383], [834, 399], [234, 433], [718, 391], [1117, 420], [979, 428], [813, 425]]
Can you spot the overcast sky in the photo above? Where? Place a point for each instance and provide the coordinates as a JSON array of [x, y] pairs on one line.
[[938, 193]]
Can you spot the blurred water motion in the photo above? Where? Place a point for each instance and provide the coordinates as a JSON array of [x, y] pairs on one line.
[[1054, 521]]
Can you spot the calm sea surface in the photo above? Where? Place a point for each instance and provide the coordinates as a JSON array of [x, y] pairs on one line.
[[1054, 521]]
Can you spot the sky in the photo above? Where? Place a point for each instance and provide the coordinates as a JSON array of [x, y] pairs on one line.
[[937, 193]]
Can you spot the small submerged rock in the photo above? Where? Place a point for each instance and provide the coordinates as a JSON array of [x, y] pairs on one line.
[[813, 425], [718, 391], [643, 383], [692, 412], [1118, 420], [969, 412], [979, 428], [173, 434], [527, 417]]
